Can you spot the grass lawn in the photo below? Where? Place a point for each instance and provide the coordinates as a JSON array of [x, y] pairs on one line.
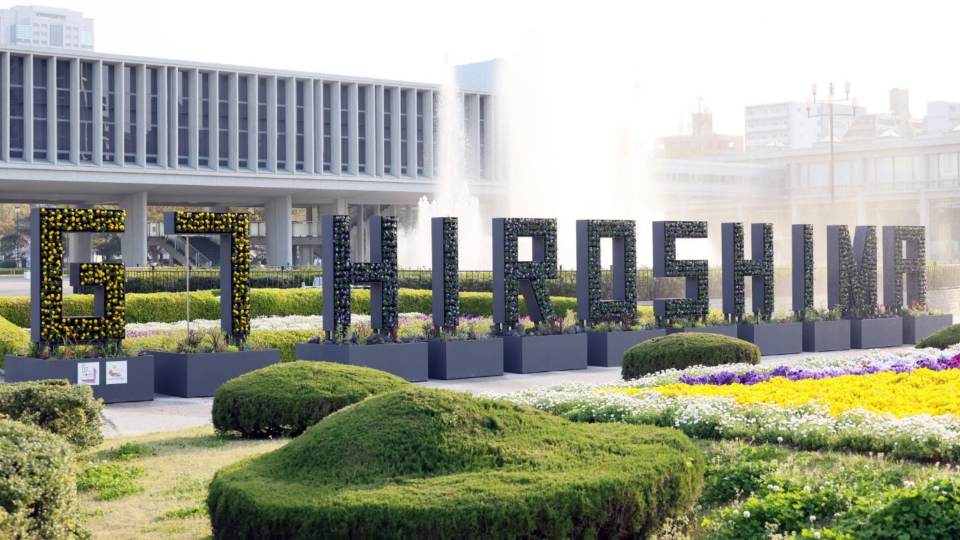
[[155, 486]]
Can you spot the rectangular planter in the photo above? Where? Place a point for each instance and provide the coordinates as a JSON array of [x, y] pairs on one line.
[[917, 328], [876, 333], [535, 354], [822, 336], [405, 360], [730, 330], [200, 374], [606, 349], [773, 338], [136, 383], [465, 359]]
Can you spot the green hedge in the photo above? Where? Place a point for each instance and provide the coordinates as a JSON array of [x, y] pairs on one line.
[[172, 307], [286, 399], [941, 339], [435, 464], [283, 340], [682, 350], [13, 340], [57, 406], [38, 492]]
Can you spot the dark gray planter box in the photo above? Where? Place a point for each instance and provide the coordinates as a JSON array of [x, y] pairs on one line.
[[535, 354], [876, 333], [822, 336], [405, 360], [465, 359], [139, 385], [606, 349], [730, 330], [200, 374], [917, 328], [773, 338]]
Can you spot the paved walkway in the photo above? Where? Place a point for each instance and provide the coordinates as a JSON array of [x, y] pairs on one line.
[[170, 413]]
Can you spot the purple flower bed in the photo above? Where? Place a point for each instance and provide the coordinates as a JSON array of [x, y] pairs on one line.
[[753, 377]]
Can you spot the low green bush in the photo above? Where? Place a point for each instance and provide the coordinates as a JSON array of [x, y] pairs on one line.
[[38, 494], [283, 340], [57, 406], [286, 399], [682, 350], [435, 464], [941, 339], [13, 340]]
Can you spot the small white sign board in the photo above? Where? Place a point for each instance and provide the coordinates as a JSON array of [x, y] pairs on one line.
[[116, 372], [88, 373]]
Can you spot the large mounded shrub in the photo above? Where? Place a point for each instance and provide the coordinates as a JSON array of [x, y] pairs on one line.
[[13, 339], [286, 399], [57, 406], [682, 350], [38, 492], [434, 464], [941, 339]]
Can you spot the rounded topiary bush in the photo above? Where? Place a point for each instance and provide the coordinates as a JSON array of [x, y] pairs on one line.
[[435, 464], [57, 406], [38, 492], [286, 399], [682, 350], [941, 339]]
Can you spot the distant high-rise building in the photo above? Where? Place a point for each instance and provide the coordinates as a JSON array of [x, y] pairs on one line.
[[479, 76], [46, 27], [942, 117], [899, 123], [787, 125]]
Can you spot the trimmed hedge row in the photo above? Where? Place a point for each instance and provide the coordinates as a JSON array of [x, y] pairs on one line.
[[436, 464], [13, 340], [941, 339], [57, 406], [683, 350], [172, 307], [286, 399], [283, 340], [38, 487]]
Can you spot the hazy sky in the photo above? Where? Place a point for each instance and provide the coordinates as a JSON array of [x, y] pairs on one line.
[[661, 56]]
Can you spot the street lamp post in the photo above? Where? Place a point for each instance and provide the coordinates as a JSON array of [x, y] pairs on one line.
[[830, 101]]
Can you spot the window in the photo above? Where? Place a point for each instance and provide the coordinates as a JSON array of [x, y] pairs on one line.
[[362, 129], [86, 111], [420, 133], [108, 86], [262, 123], [223, 123], [281, 125], [39, 108], [151, 115], [387, 145], [300, 125], [203, 156], [903, 168], [344, 128], [884, 170], [948, 162], [403, 132], [183, 118], [327, 136], [244, 120], [16, 107], [130, 114], [63, 110]]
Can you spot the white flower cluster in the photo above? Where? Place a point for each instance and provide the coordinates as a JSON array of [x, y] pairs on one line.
[[808, 427]]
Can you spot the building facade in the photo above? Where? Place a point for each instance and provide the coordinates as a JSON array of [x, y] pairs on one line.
[[775, 126], [90, 129], [46, 27], [942, 117], [702, 141]]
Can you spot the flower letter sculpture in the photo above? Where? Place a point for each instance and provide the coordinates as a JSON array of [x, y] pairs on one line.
[[852, 271], [446, 272], [46, 282], [339, 273], [895, 265], [802, 268], [736, 268], [234, 231], [590, 305], [512, 277], [665, 264]]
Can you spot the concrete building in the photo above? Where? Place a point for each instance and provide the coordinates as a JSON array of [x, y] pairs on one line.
[[702, 141], [942, 117], [46, 27], [479, 76], [96, 129], [775, 126]]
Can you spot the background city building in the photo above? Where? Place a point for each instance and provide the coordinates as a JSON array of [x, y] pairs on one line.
[[46, 27], [774, 126], [702, 141]]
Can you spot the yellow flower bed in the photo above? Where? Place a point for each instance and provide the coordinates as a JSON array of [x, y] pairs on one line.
[[901, 394]]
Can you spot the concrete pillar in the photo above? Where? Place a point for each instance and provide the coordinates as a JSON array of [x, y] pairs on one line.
[[133, 241], [279, 215], [341, 207], [861, 209], [80, 247]]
